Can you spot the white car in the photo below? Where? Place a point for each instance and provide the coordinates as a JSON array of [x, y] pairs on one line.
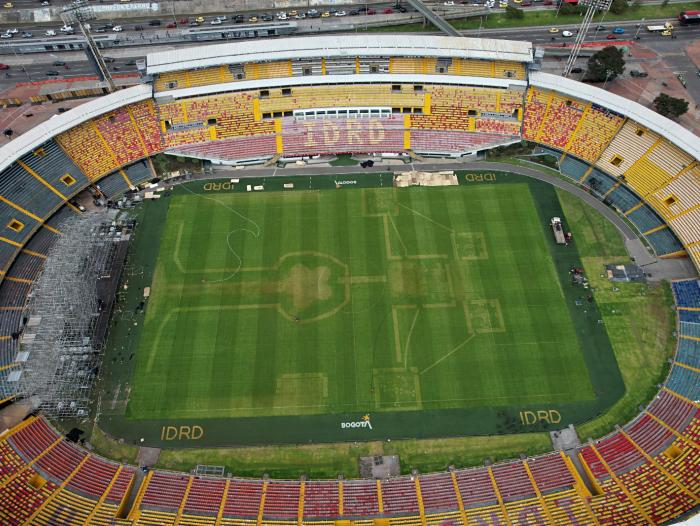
[[12, 31], [223, 18], [339, 13], [567, 34], [50, 33], [66, 29], [6, 35], [449, 3], [117, 29], [215, 22]]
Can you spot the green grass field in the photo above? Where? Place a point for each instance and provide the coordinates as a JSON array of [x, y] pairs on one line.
[[368, 300]]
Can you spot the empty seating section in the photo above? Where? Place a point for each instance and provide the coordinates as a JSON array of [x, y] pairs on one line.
[[535, 110], [22, 496], [550, 473], [64, 507], [205, 495], [113, 185], [614, 508], [622, 198], [193, 78], [11, 462], [360, 498], [573, 168], [644, 218], [596, 130], [671, 410], [664, 242], [626, 148], [342, 135], [688, 352], [243, 499], [599, 183], [14, 224], [513, 481], [268, 70], [145, 120], [25, 190], [362, 95], [93, 477], [438, 492], [52, 164], [433, 141], [204, 118], [34, 439], [648, 434], [680, 195], [321, 499], [560, 121], [645, 177], [670, 157], [88, 150], [7, 253], [60, 461], [26, 266], [475, 487], [282, 500], [410, 65], [165, 491], [14, 294], [684, 382], [236, 148], [399, 496], [687, 226]]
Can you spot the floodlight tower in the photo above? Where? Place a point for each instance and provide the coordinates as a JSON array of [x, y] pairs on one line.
[[593, 7], [80, 12]]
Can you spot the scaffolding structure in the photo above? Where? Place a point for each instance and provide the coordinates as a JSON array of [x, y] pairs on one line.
[[60, 355]]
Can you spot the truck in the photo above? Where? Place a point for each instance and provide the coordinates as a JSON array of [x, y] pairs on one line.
[[558, 231], [668, 26]]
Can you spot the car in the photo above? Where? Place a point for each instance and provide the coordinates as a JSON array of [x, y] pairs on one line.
[[253, 19], [215, 22], [199, 19], [52, 73], [45, 3], [371, 12], [449, 3], [100, 30], [300, 16], [527, 3], [117, 29], [293, 12], [283, 16], [131, 62], [4, 66], [618, 30], [567, 34], [638, 74], [601, 28], [239, 19], [27, 34], [108, 60], [194, 23], [339, 13], [576, 70], [8, 5], [503, 5], [104, 28], [171, 25], [554, 30], [223, 18], [313, 14], [50, 33], [109, 25], [116, 68], [666, 33], [59, 63], [66, 29], [6, 35], [13, 30], [267, 17], [611, 36], [388, 11], [325, 14], [154, 23]]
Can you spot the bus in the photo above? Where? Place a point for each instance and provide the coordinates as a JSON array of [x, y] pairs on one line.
[[687, 18]]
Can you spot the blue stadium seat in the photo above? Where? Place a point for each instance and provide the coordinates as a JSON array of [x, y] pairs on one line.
[[139, 172], [622, 198], [687, 292], [664, 242], [18, 186], [113, 184], [684, 382], [689, 328], [644, 218], [52, 164], [688, 352], [599, 182], [573, 168]]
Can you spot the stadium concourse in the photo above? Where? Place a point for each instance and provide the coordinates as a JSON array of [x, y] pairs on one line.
[[287, 98]]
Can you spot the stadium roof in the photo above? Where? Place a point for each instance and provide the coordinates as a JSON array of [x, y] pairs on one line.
[[366, 78], [673, 131], [38, 135], [338, 46]]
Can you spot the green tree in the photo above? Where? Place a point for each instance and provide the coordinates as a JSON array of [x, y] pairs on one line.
[[568, 9], [606, 64], [618, 6], [670, 107], [514, 12]]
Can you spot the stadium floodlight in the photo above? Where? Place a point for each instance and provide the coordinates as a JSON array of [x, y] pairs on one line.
[[593, 6], [80, 12]]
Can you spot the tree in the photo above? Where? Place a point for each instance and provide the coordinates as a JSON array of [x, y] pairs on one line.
[[618, 6], [605, 65], [514, 12], [670, 107], [664, 3]]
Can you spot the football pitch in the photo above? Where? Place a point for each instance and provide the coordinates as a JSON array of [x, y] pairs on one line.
[[371, 300]]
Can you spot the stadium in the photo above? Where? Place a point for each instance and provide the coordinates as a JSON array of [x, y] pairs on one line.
[[342, 306]]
